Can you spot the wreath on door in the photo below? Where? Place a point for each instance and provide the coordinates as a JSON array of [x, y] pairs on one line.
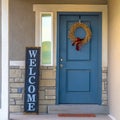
[[79, 42]]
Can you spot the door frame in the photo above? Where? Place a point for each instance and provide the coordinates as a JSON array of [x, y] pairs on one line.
[[55, 8]]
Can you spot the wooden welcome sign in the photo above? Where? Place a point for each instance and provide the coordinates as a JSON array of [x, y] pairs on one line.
[[31, 98]]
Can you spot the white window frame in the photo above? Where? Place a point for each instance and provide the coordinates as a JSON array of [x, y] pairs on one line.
[[40, 37]]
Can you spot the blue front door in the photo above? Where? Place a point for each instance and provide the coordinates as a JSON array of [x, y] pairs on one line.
[[79, 72]]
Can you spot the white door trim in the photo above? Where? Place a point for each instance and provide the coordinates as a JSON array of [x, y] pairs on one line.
[[73, 8], [113, 118], [4, 61]]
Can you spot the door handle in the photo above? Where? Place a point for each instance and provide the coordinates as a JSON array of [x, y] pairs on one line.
[[61, 65]]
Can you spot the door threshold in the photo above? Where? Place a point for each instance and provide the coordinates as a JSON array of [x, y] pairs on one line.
[[78, 108]]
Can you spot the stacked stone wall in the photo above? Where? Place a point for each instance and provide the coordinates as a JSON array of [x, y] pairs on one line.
[[47, 88], [104, 86]]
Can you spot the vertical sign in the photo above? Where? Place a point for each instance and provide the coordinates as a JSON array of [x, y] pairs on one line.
[[31, 97]]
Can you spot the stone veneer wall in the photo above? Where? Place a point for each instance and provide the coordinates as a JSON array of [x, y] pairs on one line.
[[104, 86], [47, 89]]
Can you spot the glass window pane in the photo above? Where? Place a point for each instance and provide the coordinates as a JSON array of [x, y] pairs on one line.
[[46, 39]]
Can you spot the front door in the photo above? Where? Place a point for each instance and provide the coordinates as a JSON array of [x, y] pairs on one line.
[[79, 71]]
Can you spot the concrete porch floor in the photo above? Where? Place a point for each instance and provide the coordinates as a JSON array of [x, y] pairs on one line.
[[55, 117]]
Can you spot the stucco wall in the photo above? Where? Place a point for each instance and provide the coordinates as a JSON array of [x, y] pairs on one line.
[[114, 58], [22, 23], [21, 28]]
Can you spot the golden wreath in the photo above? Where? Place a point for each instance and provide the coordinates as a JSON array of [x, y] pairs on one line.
[[80, 25]]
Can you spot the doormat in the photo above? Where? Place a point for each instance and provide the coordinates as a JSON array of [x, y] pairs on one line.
[[76, 115]]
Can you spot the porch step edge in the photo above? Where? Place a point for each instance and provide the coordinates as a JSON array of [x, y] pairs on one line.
[[96, 109]]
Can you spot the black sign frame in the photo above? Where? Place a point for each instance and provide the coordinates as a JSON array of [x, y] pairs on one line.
[[32, 70]]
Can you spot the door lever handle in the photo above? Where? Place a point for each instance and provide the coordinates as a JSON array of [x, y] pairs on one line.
[[61, 65]]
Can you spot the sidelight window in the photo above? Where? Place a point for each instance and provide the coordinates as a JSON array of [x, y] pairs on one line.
[[46, 39]]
